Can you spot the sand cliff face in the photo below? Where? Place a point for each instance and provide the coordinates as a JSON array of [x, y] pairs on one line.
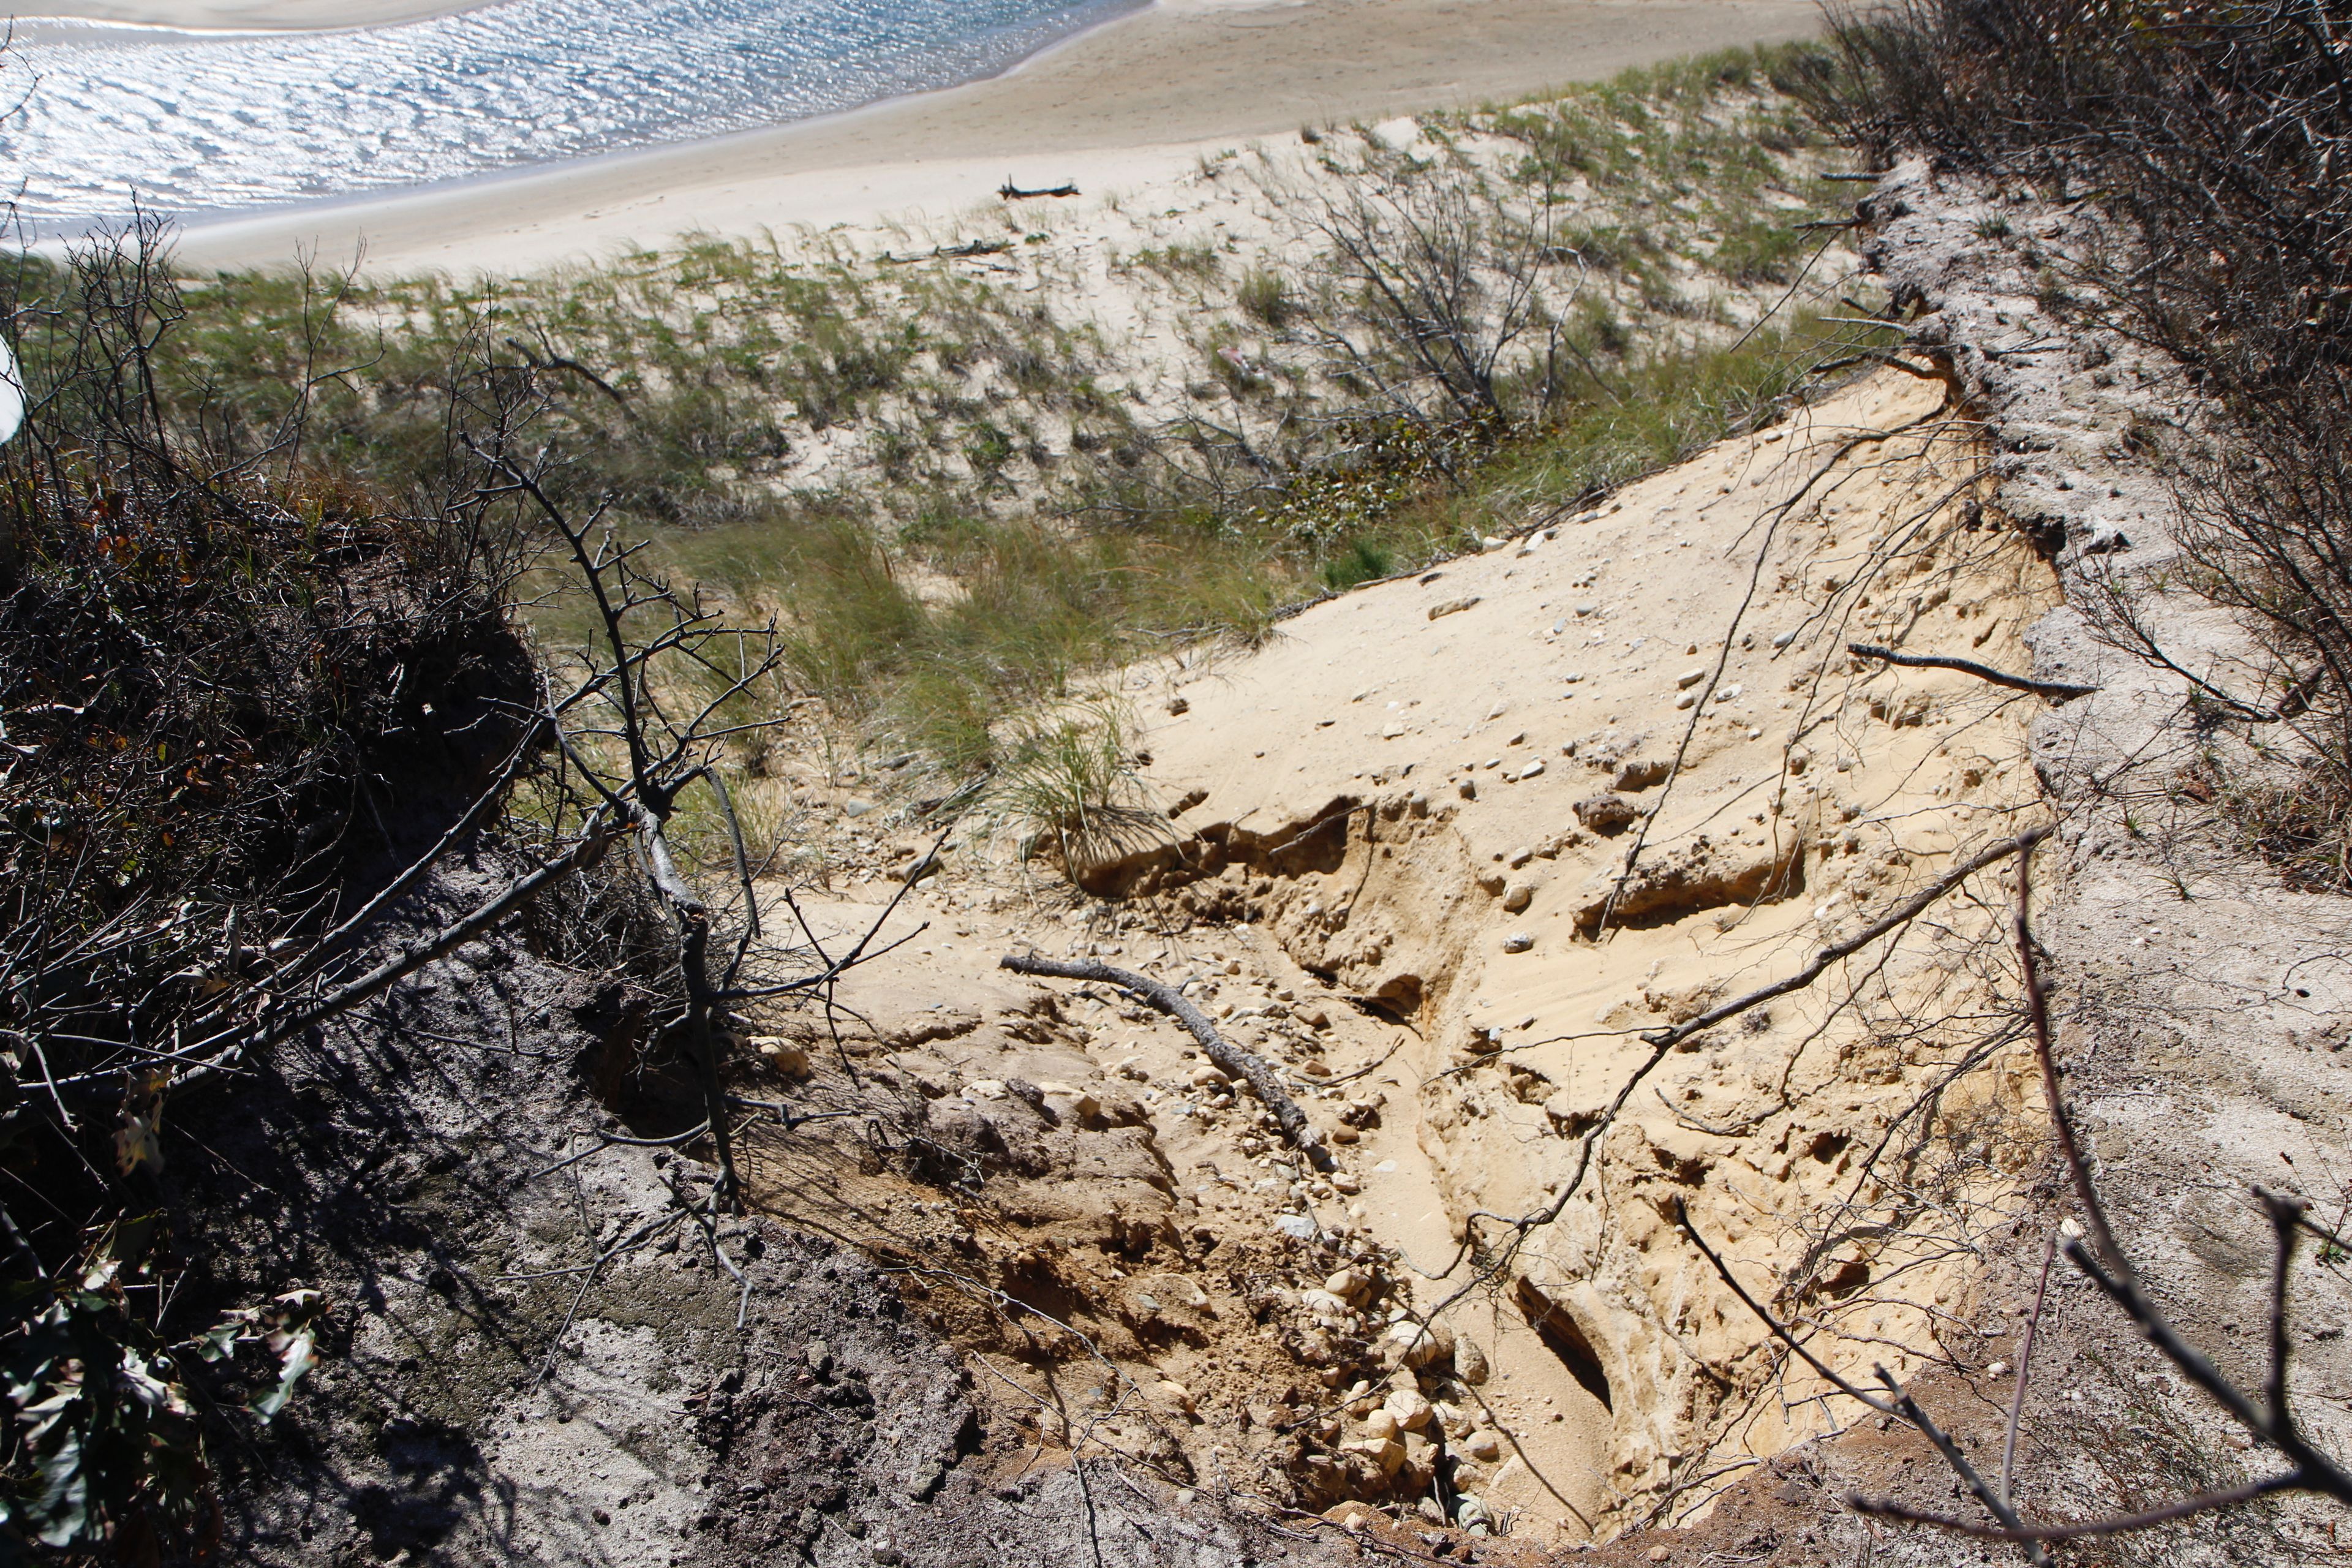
[[1593, 783], [1445, 849]]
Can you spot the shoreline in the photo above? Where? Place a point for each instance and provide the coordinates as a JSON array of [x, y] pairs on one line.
[[1118, 105]]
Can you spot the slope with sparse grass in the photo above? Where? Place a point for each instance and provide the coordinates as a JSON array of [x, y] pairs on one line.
[[961, 481]]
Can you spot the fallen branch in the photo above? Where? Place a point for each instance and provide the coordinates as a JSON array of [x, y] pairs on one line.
[[948, 252], [1012, 192], [2058, 689], [1242, 1064]]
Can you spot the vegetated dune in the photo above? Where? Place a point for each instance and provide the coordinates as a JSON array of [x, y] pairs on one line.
[[1396, 864]]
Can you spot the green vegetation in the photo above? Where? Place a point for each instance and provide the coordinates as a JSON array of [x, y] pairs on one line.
[[955, 496]]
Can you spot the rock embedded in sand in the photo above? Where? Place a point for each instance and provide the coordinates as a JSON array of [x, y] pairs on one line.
[[1483, 1446], [1411, 1409], [782, 1055], [1518, 942], [1451, 606], [1640, 773], [1169, 1392], [1411, 1345], [1517, 896], [1606, 813]]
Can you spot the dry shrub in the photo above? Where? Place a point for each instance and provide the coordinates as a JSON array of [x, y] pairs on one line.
[[2215, 136], [233, 690]]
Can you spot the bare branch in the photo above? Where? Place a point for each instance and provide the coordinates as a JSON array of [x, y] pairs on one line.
[[1241, 1063], [2053, 688]]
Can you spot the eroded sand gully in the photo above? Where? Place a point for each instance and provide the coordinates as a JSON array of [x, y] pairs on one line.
[[1396, 830]]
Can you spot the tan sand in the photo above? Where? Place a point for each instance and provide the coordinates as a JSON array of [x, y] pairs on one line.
[[1121, 107], [1385, 878]]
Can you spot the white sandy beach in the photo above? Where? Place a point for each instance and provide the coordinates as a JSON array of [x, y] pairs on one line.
[[1119, 108]]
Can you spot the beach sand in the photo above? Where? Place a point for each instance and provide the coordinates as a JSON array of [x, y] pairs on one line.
[[1123, 107]]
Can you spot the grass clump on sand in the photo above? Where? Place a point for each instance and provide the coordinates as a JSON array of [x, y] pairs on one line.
[[956, 490]]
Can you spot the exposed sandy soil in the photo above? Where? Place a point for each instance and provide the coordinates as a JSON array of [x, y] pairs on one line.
[[1395, 830], [1125, 105], [1395, 865]]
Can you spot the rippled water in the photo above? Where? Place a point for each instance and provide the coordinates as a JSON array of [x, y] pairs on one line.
[[194, 123]]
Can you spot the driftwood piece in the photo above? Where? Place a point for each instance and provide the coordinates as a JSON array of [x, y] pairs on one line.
[[950, 252], [2052, 689], [1242, 1064], [1012, 192]]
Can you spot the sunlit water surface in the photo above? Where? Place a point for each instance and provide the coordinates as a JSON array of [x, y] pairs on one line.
[[191, 124]]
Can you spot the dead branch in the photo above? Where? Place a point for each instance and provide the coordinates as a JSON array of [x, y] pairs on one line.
[[2269, 1420], [1244, 1064], [1901, 915], [1899, 1403], [1012, 193], [2058, 689]]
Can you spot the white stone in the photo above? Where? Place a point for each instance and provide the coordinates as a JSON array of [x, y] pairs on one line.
[[1410, 1408]]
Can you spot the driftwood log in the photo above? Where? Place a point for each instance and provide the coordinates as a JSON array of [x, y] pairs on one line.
[[1245, 1065]]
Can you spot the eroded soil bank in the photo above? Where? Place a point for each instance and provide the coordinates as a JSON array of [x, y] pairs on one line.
[[1445, 849]]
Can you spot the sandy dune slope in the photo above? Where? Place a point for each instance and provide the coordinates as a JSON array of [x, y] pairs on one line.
[[1397, 865]]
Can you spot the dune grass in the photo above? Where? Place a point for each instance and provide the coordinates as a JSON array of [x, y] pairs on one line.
[[947, 493]]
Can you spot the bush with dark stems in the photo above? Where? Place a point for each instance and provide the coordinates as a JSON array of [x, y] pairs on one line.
[[2217, 138]]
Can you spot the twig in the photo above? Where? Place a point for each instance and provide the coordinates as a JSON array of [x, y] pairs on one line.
[[2052, 688], [2024, 1368]]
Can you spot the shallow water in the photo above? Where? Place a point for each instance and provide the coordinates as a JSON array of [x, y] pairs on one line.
[[189, 125]]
